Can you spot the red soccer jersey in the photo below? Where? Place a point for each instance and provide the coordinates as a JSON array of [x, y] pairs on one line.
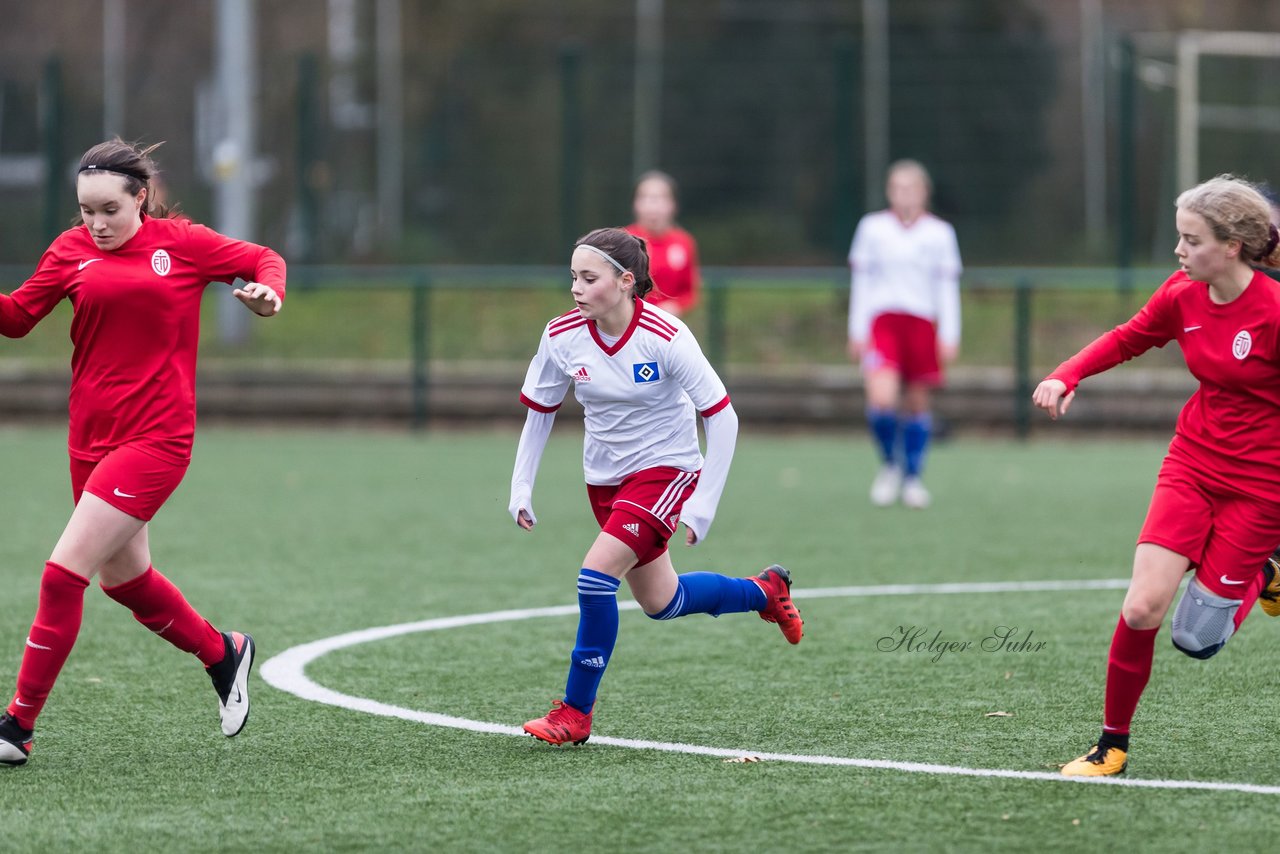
[[1229, 431], [673, 264], [136, 327]]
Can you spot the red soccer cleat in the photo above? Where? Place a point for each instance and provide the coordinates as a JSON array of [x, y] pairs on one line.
[[776, 584], [563, 723]]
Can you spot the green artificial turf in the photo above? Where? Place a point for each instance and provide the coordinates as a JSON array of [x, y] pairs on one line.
[[296, 536]]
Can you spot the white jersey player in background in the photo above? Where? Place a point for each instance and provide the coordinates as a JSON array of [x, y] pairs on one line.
[[904, 325], [642, 381]]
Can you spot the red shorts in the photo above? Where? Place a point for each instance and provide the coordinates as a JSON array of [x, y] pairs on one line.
[[644, 509], [906, 344], [132, 481], [1226, 536]]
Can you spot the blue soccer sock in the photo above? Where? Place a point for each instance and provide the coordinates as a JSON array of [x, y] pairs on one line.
[[884, 429], [709, 593], [915, 440], [597, 633]]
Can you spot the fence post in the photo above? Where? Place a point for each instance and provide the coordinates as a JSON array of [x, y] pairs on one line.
[[307, 155], [570, 141], [51, 139], [1127, 167], [1022, 357], [717, 308], [420, 320], [844, 180]]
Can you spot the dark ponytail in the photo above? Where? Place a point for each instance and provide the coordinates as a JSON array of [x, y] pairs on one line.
[[625, 248], [1268, 256], [644, 284], [131, 163]]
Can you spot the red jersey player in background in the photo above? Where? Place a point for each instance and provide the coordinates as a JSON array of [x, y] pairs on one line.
[[904, 326], [673, 254], [641, 379], [134, 278], [1213, 509]]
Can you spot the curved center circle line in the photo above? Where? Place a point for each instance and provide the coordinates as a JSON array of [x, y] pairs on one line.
[[287, 672]]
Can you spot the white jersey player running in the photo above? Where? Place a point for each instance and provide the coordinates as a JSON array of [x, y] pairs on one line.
[[641, 379]]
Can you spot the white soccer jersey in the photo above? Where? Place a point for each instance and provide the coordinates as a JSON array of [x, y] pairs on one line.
[[913, 269], [640, 393]]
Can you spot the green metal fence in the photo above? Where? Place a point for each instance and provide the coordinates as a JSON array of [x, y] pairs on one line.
[[723, 286], [1014, 315]]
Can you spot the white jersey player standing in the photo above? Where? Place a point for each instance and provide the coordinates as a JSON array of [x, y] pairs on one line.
[[904, 325], [642, 380]]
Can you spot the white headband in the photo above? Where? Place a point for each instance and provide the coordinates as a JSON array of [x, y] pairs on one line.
[[605, 255]]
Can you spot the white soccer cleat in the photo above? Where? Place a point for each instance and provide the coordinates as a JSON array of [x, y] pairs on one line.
[[231, 680], [914, 495], [886, 486]]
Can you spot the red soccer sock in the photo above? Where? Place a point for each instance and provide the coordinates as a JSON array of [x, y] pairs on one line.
[[1249, 598], [161, 607], [53, 633], [1128, 669]]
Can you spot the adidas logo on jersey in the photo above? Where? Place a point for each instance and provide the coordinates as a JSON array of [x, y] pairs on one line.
[[632, 528], [582, 376], [597, 662]]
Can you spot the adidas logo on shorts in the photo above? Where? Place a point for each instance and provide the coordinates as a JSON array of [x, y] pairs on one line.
[[633, 528]]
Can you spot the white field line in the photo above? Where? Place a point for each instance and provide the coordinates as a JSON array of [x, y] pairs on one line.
[[287, 672]]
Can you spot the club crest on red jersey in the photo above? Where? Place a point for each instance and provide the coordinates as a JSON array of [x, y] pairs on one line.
[[160, 262], [677, 257], [1242, 345]]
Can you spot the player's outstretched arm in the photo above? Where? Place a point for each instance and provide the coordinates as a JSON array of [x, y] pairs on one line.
[[533, 440], [261, 299], [21, 310], [14, 322], [1052, 396]]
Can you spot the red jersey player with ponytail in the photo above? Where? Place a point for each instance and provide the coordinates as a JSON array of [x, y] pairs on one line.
[[641, 379], [1214, 509], [134, 278]]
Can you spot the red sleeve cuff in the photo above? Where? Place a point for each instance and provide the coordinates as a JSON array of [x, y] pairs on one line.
[[707, 413], [1071, 382], [538, 407], [270, 271]]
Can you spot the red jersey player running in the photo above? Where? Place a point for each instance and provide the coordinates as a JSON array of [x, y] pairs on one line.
[[134, 281], [641, 378], [1213, 509]]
